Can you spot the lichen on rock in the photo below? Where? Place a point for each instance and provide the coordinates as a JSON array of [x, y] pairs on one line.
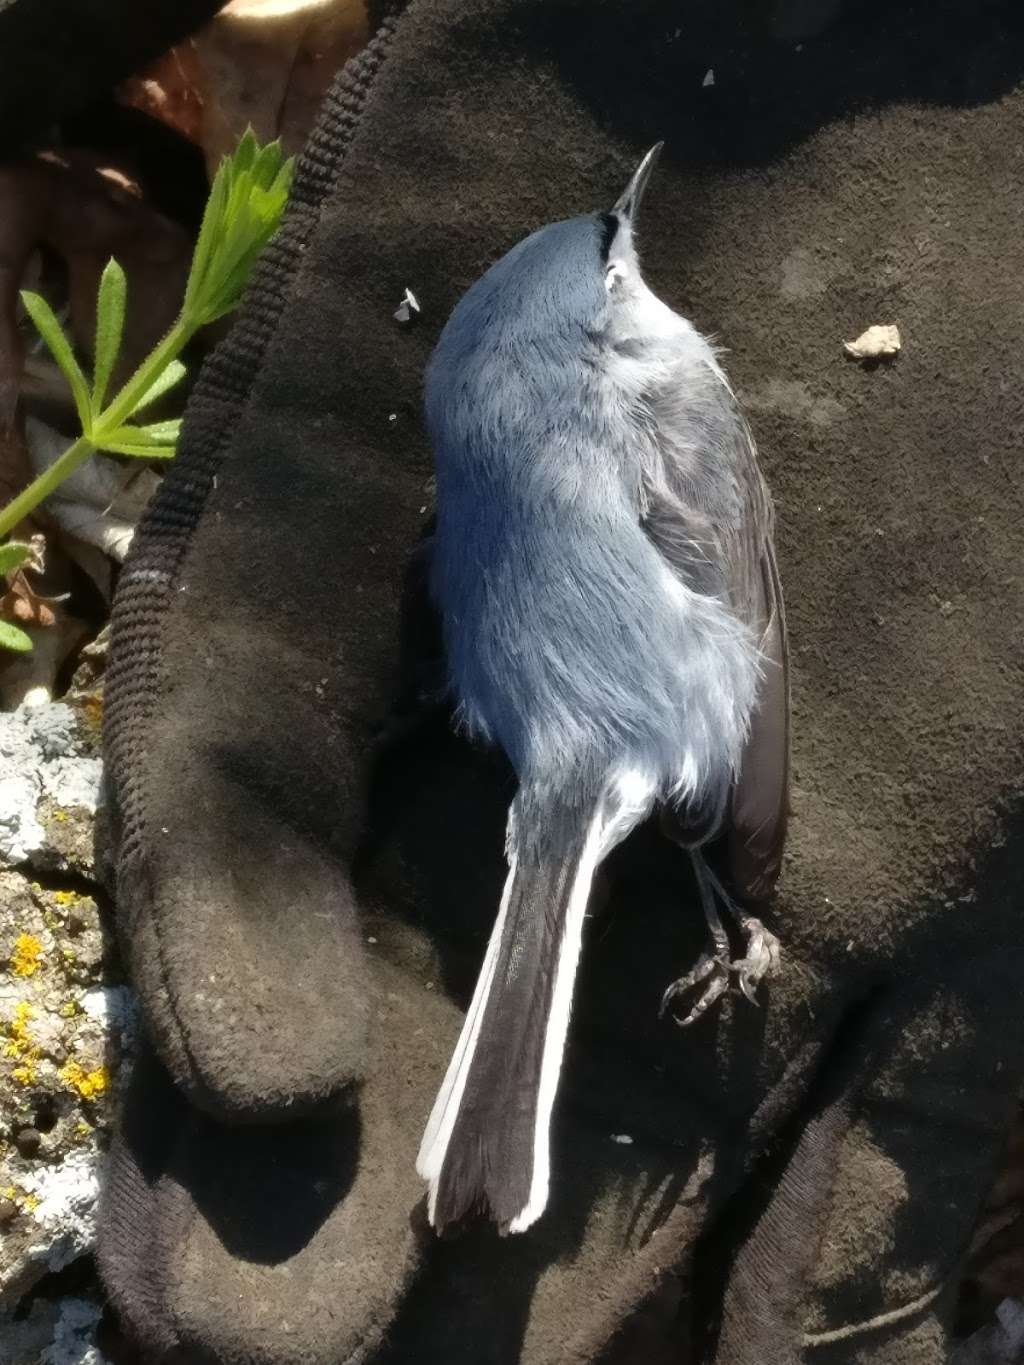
[[66, 1027], [49, 788]]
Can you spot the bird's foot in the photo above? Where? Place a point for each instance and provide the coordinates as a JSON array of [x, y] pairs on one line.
[[712, 973], [762, 957], [715, 973]]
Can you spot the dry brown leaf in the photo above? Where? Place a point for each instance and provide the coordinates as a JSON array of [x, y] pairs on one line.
[[19, 602], [21, 605], [264, 63], [86, 210], [168, 90], [32, 598], [98, 212]]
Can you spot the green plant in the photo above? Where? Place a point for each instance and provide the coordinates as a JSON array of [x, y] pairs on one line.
[[247, 199], [12, 556]]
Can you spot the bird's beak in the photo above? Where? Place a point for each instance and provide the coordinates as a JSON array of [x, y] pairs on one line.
[[629, 200]]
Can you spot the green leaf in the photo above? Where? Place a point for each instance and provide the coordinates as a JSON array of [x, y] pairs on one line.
[[247, 199], [245, 152], [13, 555], [154, 442], [208, 231], [134, 435], [266, 165], [13, 638], [143, 452], [281, 186], [172, 374], [53, 334], [166, 433], [110, 306]]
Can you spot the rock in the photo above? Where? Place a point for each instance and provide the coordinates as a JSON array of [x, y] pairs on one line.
[[66, 1020], [28, 1141], [55, 1332], [87, 680], [49, 787]]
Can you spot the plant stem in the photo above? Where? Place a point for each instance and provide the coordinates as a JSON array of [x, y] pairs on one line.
[[128, 398], [113, 416], [44, 485]]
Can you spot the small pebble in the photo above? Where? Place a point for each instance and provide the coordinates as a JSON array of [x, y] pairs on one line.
[[623, 1139], [28, 1141], [876, 343]]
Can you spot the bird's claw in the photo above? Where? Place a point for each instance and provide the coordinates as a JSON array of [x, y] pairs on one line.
[[713, 970], [762, 959]]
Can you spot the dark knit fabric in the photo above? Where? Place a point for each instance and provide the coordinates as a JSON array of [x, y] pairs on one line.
[[801, 1179], [244, 946]]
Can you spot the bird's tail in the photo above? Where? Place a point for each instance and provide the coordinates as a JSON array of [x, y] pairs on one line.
[[486, 1146]]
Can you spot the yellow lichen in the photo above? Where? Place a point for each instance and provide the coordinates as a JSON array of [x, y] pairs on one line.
[[91, 710], [69, 1009], [19, 1038], [20, 1047], [19, 1195], [82, 1129], [61, 816], [26, 955], [87, 1084], [67, 897]]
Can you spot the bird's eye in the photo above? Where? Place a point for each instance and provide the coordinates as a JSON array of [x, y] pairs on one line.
[[616, 271]]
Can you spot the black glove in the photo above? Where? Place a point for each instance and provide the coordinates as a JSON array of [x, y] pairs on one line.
[[824, 1156]]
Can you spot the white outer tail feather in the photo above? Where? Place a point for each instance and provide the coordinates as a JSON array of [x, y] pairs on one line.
[[557, 1031], [628, 799], [438, 1132]]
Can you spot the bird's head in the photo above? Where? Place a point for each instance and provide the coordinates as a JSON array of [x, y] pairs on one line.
[[567, 283]]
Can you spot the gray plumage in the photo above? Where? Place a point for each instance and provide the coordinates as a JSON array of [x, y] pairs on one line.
[[603, 566]]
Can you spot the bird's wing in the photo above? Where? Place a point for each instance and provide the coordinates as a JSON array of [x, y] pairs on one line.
[[706, 509]]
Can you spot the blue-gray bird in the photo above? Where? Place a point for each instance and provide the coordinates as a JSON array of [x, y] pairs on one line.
[[612, 619]]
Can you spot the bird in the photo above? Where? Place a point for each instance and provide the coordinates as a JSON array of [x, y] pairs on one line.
[[603, 567]]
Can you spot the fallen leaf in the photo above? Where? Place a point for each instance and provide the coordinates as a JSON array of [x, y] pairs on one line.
[[169, 90], [264, 64], [37, 632]]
